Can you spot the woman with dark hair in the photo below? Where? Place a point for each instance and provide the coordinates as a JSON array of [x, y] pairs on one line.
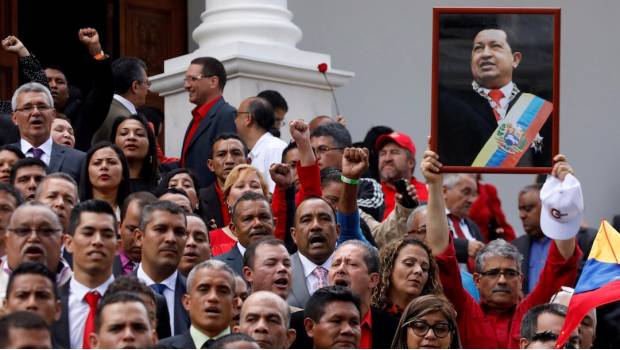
[[184, 179], [427, 322], [408, 271], [105, 175], [135, 138], [9, 154]]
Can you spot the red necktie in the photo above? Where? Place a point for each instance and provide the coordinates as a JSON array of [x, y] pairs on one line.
[[496, 95], [92, 299], [457, 226]]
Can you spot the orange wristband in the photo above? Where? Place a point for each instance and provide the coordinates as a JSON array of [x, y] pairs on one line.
[[100, 56]]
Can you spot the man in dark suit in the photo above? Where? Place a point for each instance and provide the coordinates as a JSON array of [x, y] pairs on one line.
[[468, 117], [33, 114], [459, 193], [356, 265], [131, 85], [209, 301], [205, 80], [130, 253], [316, 241], [228, 152], [92, 241], [162, 234], [251, 220], [534, 245]]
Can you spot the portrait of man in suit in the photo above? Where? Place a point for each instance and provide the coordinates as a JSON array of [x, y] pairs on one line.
[[494, 89]]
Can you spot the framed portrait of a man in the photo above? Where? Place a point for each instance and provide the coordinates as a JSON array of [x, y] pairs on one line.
[[495, 97]]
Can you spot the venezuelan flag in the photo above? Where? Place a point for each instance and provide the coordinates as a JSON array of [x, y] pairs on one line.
[[599, 283]]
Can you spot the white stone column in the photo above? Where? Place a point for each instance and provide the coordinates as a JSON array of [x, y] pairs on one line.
[[256, 41]]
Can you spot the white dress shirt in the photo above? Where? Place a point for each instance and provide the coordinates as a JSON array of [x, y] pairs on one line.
[[170, 284], [46, 147], [504, 101], [126, 103], [78, 309], [309, 266], [267, 150]]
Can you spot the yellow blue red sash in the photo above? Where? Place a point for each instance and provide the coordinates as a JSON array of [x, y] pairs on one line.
[[515, 132]]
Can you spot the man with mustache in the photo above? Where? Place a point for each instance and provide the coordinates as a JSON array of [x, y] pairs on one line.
[[162, 234], [355, 265], [470, 115], [252, 220], [494, 322], [197, 247], [267, 267], [59, 192], [33, 112], [92, 240], [43, 246], [228, 151], [209, 302]]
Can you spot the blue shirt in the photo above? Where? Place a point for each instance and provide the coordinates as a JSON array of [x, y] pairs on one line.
[[349, 227], [539, 249]]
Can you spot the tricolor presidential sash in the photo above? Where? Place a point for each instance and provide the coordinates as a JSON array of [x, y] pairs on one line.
[[515, 132]]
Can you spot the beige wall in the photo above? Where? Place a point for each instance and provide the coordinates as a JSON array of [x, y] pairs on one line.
[[388, 45]]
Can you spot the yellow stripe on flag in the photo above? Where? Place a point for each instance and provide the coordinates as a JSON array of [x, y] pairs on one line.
[[606, 246]]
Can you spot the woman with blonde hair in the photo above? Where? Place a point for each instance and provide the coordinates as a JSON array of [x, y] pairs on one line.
[[242, 178], [408, 271], [427, 322]]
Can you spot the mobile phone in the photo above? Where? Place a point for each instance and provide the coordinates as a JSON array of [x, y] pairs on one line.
[[401, 187]]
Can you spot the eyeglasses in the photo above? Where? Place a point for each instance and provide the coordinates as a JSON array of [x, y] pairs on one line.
[[241, 113], [420, 328], [195, 78], [26, 231], [509, 274], [324, 149], [31, 108], [418, 230], [147, 82]]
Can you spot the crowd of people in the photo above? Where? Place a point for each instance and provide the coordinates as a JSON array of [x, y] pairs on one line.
[[250, 241]]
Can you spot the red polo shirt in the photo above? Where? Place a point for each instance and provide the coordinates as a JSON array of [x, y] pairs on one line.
[[366, 339], [198, 114]]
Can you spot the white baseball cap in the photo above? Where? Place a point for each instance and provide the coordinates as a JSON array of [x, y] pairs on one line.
[[562, 207]]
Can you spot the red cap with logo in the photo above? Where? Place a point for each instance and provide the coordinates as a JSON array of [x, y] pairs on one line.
[[401, 139]]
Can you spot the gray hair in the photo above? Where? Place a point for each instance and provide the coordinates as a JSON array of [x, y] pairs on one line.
[[529, 323], [418, 209], [501, 248], [211, 264], [450, 180], [32, 87], [337, 131], [36, 204], [371, 254], [60, 176]]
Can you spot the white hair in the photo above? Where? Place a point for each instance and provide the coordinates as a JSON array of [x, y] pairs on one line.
[[32, 87]]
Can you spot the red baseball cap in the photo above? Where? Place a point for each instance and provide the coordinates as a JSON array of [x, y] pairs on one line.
[[401, 139]]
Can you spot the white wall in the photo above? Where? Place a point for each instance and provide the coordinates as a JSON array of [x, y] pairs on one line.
[[388, 45]]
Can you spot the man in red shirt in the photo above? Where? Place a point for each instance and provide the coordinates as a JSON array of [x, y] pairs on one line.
[[397, 161], [204, 81], [494, 322]]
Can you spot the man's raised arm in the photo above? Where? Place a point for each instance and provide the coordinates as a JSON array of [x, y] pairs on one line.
[[437, 231]]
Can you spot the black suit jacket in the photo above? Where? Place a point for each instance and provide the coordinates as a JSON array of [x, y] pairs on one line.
[[384, 327], [233, 259], [181, 317], [466, 122], [9, 133], [210, 206], [460, 244], [60, 329], [181, 341], [220, 119], [64, 159]]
